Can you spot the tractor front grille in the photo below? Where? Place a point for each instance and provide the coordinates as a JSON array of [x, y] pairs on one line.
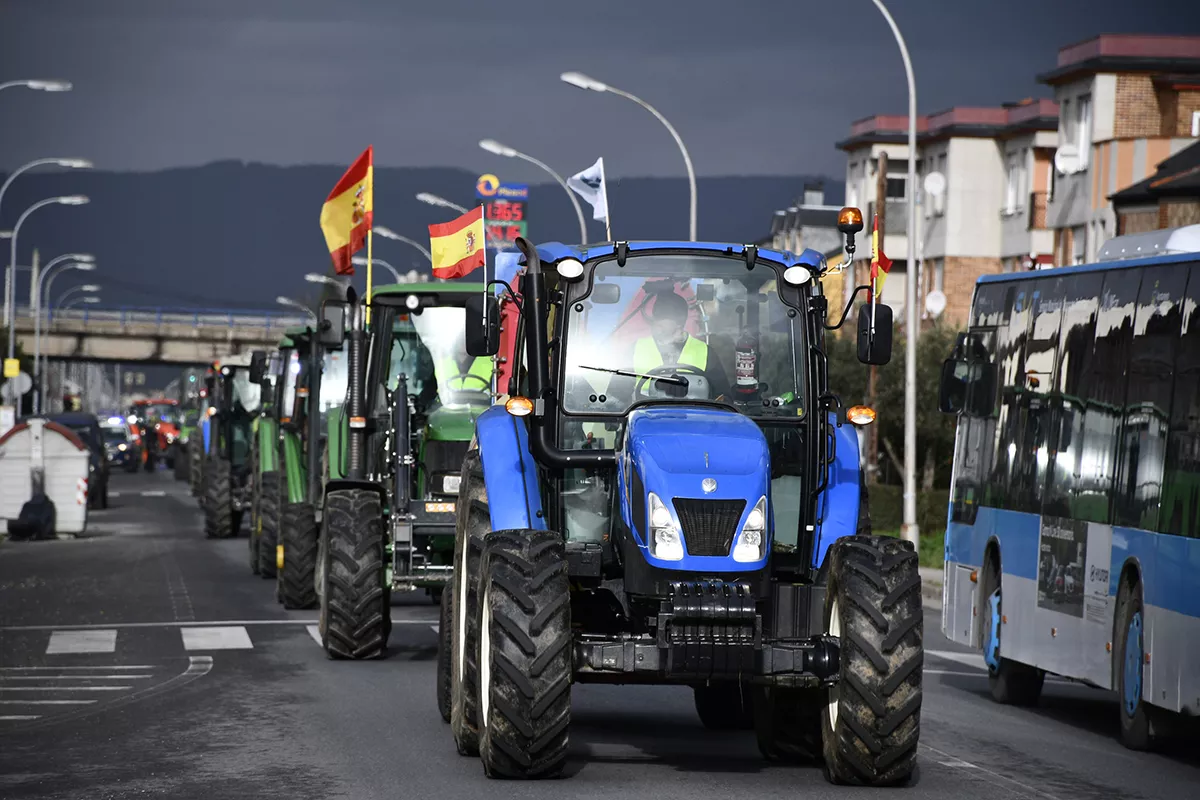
[[708, 525]]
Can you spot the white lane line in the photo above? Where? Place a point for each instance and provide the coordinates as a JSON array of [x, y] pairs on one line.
[[64, 688], [315, 632], [46, 702], [967, 659], [125, 677], [154, 493], [436, 628], [18, 717], [91, 641], [185, 624], [114, 494], [97, 666], [230, 637], [949, 759]]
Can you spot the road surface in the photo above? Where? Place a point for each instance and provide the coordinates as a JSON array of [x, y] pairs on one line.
[[146, 661]]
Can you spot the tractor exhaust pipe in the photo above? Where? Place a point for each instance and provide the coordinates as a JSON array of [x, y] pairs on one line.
[[356, 440]]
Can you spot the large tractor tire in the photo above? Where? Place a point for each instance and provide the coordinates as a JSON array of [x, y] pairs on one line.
[[725, 706], [181, 463], [355, 603], [269, 515], [471, 529], [298, 537], [255, 510], [445, 647], [872, 719], [219, 522], [195, 469], [525, 655]]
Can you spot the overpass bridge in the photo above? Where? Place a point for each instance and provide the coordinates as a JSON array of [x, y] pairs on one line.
[[164, 335]]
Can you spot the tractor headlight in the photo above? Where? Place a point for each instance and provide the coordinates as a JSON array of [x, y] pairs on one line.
[[451, 484], [664, 534], [749, 545]]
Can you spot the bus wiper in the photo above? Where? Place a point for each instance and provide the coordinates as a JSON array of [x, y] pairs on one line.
[[675, 379]]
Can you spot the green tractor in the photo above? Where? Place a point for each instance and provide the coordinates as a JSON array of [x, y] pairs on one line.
[[190, 385], [394, 459], [197, 437], [266, 371], [234, 400]]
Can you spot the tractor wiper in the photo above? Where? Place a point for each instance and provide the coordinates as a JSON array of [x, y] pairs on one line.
[[675, 379]]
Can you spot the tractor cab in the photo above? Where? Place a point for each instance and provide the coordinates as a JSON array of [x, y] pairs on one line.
[[234, 401]]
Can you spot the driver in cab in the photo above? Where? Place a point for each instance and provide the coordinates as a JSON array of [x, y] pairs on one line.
[[669, 344]]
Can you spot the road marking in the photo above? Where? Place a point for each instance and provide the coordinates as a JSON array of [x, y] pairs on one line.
[[114, 494], [968, 659], [436, 628], [56, 669], [184, 624], [315, 632], [231, 637], [90, 641], [125, 677], [18, 717], [46, 702], [154, 493], [64, 688], [948, 759]]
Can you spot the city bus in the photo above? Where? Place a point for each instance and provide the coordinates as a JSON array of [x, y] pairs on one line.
[[1073, 527]]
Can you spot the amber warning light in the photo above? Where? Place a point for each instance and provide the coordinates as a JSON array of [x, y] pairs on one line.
[[850, 220]]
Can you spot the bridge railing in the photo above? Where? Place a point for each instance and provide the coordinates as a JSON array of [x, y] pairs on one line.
[[158, 316]]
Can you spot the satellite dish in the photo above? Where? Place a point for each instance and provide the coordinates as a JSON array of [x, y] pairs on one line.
[[935, 184], [1066, 159], [935, 303]]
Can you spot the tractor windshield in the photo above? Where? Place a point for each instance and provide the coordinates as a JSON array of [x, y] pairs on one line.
[[290, 370], [683, 327], [335, 377], [430, 349], [246, 394]]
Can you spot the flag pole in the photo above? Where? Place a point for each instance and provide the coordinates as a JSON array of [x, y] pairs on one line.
[[370, 238], [607, 209]]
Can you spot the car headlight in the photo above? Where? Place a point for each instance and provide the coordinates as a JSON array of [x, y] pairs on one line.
[[750, 543], [122, 447], [665, 542], [451, 484]]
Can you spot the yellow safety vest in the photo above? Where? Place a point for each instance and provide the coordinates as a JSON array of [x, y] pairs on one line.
[[448, 373], [647, 357]]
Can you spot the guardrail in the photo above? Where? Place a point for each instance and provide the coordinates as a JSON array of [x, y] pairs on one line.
[[195, 317]]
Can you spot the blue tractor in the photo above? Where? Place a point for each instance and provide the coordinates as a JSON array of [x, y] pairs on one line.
[[670, 494]]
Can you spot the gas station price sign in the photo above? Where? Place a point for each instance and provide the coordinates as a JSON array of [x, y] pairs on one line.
[[503, 211]]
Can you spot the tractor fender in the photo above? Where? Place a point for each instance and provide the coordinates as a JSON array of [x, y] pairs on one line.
[[509, 471], [837, 506], [344, 484]]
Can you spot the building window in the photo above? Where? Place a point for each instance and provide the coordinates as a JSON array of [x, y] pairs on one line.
[[1050, 180], [1083, 134], [1196, 123], [939, 202], [1079, 244], [1012, 184], [895, 187]]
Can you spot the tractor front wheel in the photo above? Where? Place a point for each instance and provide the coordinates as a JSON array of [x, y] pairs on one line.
[[218, 499], [355, 603], [443, 656], [471, 528], [269, 522], [298, 539]]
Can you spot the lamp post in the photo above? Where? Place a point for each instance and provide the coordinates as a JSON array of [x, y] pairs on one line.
[[85, 262], [361, 261], [89, 298], [69, 163], [578, 79], [66, 200], [909, 529], [290, 303], [39, 85], [85, 288], [434, 200], [388, 233], [492, 146]]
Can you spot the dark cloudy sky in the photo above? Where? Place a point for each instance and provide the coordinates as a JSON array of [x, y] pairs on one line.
[[754, 86]]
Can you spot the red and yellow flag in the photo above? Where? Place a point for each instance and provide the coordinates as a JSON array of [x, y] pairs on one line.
[[349, 211], [458, 246], [880, 264]]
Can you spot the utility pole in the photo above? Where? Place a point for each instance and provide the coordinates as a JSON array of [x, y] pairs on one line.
[[872, 391]]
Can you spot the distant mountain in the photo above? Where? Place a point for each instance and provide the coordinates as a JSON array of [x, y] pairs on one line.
[[235, 235]]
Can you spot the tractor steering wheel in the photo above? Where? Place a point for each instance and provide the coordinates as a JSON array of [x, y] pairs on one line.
[[487, 382], [666, 371]]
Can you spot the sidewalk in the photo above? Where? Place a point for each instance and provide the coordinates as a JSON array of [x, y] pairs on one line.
[[931, 586]]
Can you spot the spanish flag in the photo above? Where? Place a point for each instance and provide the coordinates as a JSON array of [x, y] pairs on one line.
[[458, 246], [880, 264], [348, 212]]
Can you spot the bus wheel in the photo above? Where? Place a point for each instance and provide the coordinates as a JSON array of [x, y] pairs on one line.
[[1139, 720], [1011, 683]]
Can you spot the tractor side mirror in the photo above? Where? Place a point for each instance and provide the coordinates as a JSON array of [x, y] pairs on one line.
[[258, 366], [333, 324], [482, 325], [875, 350], [605, 294]]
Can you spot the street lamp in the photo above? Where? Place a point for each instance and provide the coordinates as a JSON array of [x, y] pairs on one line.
[[492, 146], [290, 303], [10, 298], [84, 262], [41, 86], [90, 298], [388, 233], [434, 200], [909, 529], [316, 277], [85, 288], [582, 81], [361, 261]]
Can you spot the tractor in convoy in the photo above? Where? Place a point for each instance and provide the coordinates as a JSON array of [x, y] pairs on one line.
[[197, 436], [266, 373], [394, 457], [233, 403], [188, 418], [157, 425], [670, 494]]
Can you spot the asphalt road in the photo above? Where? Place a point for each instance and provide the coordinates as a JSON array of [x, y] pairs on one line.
[[144, 660]]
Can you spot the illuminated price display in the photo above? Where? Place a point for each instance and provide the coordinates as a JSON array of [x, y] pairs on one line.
[[505, 211]]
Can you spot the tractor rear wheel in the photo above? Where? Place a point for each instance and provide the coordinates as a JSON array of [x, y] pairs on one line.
[[525, 655], [872, 719], [443, 656], [787, 723], [298, 536], [355, 603], [269, 500], [218, 499], [725, 706], [473, 524]]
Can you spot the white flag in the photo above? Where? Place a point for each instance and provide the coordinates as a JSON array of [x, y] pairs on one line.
[[589, 185]]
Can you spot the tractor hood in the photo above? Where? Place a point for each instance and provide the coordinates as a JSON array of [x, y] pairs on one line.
[[453, 423], [715, 461]]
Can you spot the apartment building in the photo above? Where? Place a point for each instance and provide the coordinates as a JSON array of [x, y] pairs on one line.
[[1170, 198], [809, 224], [1128, 103]]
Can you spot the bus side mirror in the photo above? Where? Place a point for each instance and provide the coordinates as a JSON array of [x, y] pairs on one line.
[[333, 324], [482, 325], [875, 350], [952, 390], [258, 366]]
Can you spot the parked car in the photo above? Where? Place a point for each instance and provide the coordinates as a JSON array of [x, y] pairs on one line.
[[120, 448]]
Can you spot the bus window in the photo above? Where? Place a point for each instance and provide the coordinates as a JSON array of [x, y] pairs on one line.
[[1033, 408], [1077, 331], [1010, 377], [1181, 483], [1105, 395], [1144, 423]]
